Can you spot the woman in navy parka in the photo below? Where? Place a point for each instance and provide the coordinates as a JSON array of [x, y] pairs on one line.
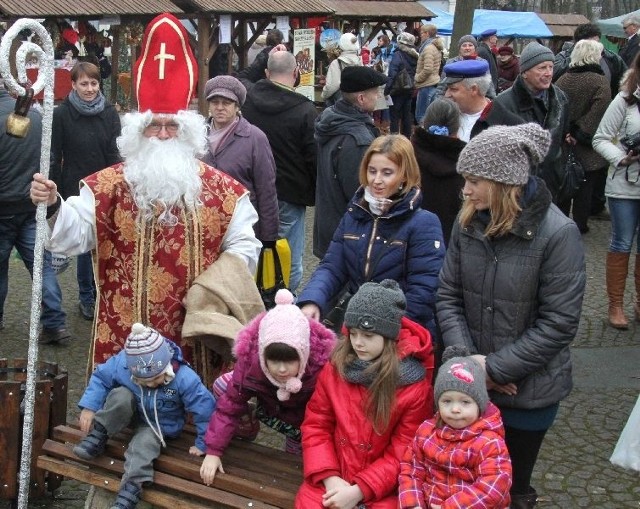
[[383, 235]]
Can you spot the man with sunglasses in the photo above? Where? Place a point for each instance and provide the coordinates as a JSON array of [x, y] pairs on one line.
[[159, 219], [630, 25]]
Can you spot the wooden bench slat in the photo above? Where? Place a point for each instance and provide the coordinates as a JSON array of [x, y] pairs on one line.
[[268, 488], [152, 494], [253, 472]]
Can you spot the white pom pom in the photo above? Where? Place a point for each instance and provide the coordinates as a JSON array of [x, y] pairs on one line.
[[284, 296], [137, 328]]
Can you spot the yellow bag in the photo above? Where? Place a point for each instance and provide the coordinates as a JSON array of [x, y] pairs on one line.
[[274, 269]]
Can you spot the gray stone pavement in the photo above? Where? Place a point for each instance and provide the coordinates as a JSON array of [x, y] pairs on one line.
[[573, 470]]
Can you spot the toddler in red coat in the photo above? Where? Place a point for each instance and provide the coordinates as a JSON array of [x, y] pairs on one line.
[[459, 457], [369, 401]]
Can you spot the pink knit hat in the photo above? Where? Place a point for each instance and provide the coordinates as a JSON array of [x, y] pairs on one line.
[[286, 324]]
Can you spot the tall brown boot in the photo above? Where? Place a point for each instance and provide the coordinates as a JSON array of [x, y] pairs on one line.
[[636, 275], [617, 269]]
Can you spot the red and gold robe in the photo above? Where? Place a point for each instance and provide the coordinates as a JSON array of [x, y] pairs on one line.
[[143, 269]]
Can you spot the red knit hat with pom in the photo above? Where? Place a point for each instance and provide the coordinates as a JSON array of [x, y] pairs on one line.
[[286, 324]]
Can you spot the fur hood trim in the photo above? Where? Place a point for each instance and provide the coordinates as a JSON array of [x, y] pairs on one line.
[[321, 342]]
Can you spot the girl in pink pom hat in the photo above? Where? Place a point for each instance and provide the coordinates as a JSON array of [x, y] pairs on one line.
[[279, 355]]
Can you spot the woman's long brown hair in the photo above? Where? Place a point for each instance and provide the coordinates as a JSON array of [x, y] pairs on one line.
[[382, 391]]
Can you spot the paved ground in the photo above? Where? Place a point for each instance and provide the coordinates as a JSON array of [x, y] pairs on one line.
[[573, 470]]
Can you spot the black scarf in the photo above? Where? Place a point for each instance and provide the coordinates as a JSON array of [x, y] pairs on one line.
[[586, 68]]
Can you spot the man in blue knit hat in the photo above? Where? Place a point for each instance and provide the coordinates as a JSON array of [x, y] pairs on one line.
[[467, 83]]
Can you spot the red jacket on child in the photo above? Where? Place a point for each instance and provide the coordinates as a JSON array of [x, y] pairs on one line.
[[338, 439], [455, 468]]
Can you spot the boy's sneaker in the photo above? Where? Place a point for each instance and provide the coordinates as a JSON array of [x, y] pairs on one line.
[[93, 444], [54, 336], [128, 496]]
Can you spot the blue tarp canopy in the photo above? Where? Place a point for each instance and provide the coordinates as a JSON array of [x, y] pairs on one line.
[[507, 23], [613, 26]]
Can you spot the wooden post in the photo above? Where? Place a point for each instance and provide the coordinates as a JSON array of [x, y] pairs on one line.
[[204, 33], [115, 63], [50, 410], [10, 431]]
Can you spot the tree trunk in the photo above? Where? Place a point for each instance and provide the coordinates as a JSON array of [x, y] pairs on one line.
[[462, 21]]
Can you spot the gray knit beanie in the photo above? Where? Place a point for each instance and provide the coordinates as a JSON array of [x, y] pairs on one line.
[[533, 54], [377, 308], [463, 374], [505, 153], [467, 38]]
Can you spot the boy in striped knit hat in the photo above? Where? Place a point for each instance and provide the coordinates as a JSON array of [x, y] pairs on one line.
[[148, 387]]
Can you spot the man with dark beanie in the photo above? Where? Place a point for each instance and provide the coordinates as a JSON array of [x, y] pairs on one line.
[[343, 133], [535, 99]]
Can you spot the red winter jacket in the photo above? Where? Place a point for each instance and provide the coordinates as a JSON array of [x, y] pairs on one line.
[[456, 468], [249, 380], [338, 439]]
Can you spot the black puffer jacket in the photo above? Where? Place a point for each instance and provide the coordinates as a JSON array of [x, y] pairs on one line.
[[287, 118], [517, 299], [519, 100], [82, 145]]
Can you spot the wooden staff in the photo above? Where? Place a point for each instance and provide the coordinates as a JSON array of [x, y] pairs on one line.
[[44, 82]]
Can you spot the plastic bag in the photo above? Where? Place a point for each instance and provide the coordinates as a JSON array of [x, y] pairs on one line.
[[274, 267], [627, 451]]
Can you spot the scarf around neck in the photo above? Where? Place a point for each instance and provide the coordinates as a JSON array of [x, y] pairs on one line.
[[218, 136], [87, 108], [377, 206], [411, 371]]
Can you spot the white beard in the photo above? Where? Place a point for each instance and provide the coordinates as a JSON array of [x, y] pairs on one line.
[[163, 175]]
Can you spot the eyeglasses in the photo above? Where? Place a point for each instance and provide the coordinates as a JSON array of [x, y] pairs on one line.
[[155, 127], [628, 25]]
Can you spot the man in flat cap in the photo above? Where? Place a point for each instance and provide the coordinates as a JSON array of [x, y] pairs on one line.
[[535, 99], [485, 51], [467, 83], [159, 219], [344, 132]]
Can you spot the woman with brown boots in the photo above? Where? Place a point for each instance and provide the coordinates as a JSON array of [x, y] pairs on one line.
[[618, 141]]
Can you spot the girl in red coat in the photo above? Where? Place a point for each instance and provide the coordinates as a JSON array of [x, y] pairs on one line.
[[459, 457], [369, 401]]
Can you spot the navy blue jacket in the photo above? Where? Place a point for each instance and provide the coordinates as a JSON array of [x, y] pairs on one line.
[[406, 244]]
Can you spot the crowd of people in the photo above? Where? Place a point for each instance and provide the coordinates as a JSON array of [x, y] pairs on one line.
[[426, 357]]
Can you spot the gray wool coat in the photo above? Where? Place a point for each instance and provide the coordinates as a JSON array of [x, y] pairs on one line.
[[517, 299]]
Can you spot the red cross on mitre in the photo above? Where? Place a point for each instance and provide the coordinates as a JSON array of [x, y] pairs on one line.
[[166, 72]]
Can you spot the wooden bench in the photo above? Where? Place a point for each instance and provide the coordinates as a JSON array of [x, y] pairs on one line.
[[256, 476]]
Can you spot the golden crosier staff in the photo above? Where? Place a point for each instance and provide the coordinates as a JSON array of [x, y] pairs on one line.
[[44, 82]]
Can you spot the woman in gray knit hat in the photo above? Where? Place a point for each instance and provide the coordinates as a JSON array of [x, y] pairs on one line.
[[511, 288]]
